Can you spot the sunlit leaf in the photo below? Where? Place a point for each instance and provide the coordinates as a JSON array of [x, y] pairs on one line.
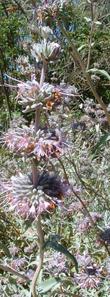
[[100, 71], [48, 285], [100, 144]]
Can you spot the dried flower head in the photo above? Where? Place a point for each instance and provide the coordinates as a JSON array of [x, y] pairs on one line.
[[31, 94], [105, 236]]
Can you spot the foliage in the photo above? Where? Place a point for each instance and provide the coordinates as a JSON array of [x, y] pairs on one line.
[[55, 173], [13, 31]]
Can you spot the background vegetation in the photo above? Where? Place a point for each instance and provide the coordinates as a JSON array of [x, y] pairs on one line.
[[76, 226]]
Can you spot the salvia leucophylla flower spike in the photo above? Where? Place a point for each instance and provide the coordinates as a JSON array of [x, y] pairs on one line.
[[32, 93], [23, 140]]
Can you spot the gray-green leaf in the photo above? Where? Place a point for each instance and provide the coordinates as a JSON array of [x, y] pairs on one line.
[[48, 285]]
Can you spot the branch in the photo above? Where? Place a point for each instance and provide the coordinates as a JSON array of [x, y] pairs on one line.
[[13, 271], [75, 193], [6, 95], [21, 8], [87, 187]]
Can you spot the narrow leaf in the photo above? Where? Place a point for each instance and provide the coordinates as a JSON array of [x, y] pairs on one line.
[[99, 71]]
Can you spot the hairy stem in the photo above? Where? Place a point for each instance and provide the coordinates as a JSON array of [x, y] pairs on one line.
[[35, 174], [43, 73], [37, 118], [41, 256]]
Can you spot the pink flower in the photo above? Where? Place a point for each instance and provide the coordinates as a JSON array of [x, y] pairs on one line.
[[84, 260], [14, 250], [18, 263], [86, 281], [43, 206], [56, 264], [85, 224], [47, 147], [89, 278]]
